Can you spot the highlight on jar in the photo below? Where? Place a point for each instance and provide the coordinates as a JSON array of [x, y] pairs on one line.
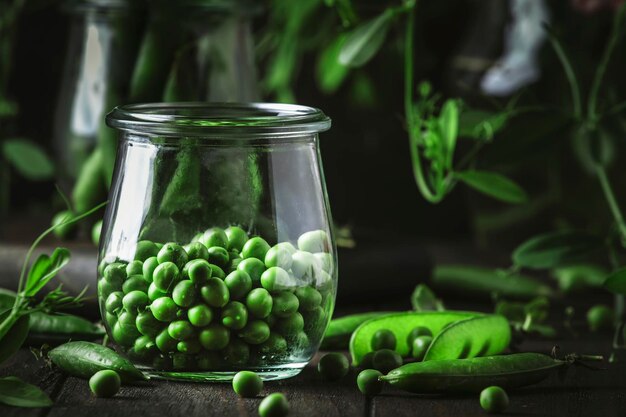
[[217, 253]]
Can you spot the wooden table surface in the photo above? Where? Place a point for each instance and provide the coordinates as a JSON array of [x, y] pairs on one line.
[[579, 392]]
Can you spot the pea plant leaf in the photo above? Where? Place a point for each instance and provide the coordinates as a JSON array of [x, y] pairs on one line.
[[616, 282], [44, 269], [15, 392], [330, 73], [449, 126], [552, 250], [364, 42], [424, 299], [493, 185], [14, 338], [28, 159]]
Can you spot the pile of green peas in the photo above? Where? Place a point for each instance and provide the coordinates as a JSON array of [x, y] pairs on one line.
[[224, 301]]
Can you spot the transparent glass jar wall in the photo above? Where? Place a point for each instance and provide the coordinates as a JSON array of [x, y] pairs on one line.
[[217, 253], [121, 51]]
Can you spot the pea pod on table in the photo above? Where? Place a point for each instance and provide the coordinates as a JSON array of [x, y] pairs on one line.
[[401, 325], [337, 335], [83, 359], [472, 375]]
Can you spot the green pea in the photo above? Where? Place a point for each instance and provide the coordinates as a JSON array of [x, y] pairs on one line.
[[333, 366], [196, 250], [279, 255], [234, 315], [114, 302], [105, 383], [255, 247], [115, 273], [214, 337], [198, 271], [180, 329], [184, 293], [148, 268], [236, 352], [217, 272], [135, 283], [367, 361], [165, 342], [304, 265], [309, 298], [314, 241], [134, 268], [218, 256], [417, 332], [165, 276], [383, 339], [214, 237], [301, 342], [154, 292], [494, 399], [315, 320], [323, 281], [247, 384], [368, 382], [110, 319], [274, 405], [200, 315], [385, 360], [234, 263], [290, 325], [419, 347], [285, 304], [255, 332], [253, 267], [67, 229], [237, 237], [124, 334], [600, 317], [259, 303], [271, 320], [173, 252], [164, 309], [191, 346], [144, 346], [215, 293], [106, 288], [274, 345], [145, 249], [135, 301], [239, 284], [276, 279], [147, 324], [324, 260]]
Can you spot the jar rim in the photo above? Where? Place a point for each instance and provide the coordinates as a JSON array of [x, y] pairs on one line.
[[245, 120]]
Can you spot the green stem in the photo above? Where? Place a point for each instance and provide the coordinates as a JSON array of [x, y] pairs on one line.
[[569, 74], [414, 131], [6, 325], [604, 63], [612, 203]]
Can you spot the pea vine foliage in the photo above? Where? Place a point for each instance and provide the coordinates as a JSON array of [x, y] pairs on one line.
[[14, 321]]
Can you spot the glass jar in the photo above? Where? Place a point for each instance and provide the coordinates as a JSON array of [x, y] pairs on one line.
[[217, 252]]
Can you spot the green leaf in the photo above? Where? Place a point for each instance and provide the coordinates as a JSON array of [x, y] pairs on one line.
[[424, 299], [493, 185], [14, 338], [616, 282], [330, 73], [364, 42], [580, 277], [556, 249], [401, 325], [478, 336], [28, 158], [18, 393], [449, 126], [44, 270]]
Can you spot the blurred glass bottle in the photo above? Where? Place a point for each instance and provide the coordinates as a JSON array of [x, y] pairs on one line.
[[123, 51]]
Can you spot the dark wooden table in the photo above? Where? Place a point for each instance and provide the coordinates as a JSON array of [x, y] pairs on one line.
[[580, 392]]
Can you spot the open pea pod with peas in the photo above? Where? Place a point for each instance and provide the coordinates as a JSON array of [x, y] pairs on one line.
[[457, 334]]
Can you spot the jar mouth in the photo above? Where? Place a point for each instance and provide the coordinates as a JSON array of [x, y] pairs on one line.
[[244, 120]]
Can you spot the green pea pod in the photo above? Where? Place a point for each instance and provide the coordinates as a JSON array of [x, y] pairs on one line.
[[484, 282], [83, 359], [62, 326], [401, 325], [89, 188], [476, 336], [339, 330], [473, 375]]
